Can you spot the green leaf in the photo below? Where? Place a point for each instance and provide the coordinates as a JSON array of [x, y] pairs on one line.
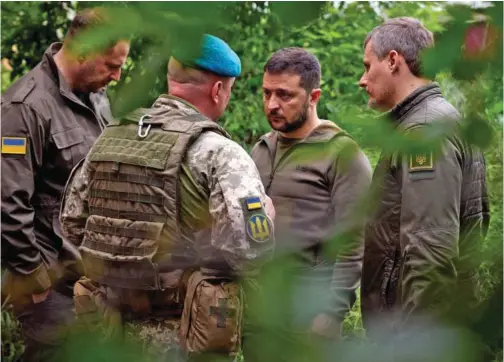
[[477, 131], [296, 13]]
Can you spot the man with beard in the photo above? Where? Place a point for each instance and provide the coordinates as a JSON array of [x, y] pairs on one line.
[[316, 175], [171, 217], [50, 119]]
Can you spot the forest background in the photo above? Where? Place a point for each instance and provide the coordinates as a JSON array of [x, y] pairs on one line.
[[468, 69]]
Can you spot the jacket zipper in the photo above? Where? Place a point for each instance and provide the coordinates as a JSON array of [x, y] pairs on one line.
[[274, 168]]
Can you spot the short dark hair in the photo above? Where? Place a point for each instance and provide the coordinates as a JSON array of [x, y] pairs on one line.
[[298, 61], [85, 19], [405, 35]]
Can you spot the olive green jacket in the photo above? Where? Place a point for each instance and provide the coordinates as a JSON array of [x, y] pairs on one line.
[[316, 187], [430, 216]]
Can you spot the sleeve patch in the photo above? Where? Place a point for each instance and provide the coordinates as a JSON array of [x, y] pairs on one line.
[[421, 162], [14, 145], [259, 228], [253, 203]]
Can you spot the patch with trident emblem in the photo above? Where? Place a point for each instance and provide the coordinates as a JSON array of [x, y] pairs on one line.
[[421, 162], [259, 228]]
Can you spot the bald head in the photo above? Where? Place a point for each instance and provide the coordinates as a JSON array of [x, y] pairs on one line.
[[178, 73], [205, 80], [207, 91]]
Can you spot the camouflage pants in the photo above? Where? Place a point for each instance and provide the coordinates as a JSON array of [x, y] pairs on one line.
[[156, 336], [148, 320]]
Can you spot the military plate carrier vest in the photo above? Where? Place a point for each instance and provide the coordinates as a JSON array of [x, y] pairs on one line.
[[133, 234]]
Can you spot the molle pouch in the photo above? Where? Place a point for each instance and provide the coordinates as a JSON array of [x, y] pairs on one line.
[[213, 315], [93, 312]]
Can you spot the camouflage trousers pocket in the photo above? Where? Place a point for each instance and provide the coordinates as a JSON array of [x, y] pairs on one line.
[[93, 312], [213, 316]]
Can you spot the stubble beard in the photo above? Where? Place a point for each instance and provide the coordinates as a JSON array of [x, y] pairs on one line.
[[300, 120], [384, 102]]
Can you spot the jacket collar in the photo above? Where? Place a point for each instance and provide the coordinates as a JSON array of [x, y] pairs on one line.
[[52, 69], [322, 133], [168, 100], [412, 100], [270, 139]]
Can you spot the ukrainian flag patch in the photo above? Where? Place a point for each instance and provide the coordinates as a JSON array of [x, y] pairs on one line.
[[14, 145], [253, 203]]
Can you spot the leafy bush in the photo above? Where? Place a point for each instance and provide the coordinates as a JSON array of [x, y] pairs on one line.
[[334, 32]]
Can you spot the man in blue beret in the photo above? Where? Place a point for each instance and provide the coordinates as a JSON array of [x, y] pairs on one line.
[[167, 212]]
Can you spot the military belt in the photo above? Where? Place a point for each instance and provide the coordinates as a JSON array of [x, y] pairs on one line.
[[141, 275]]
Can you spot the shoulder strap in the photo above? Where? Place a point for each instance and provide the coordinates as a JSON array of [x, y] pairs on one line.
[[200, 123], [23, 92], [132, 117]]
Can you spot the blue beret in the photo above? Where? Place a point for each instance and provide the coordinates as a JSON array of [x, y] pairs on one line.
[[216, 56]]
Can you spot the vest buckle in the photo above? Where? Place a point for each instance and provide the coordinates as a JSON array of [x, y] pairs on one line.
[[142, 134]]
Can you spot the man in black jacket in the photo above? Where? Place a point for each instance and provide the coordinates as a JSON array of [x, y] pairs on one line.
[[432, 207], [50, 119]]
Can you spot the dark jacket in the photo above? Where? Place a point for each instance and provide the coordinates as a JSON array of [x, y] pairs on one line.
[[431, 215], [316, 187], [57, 129]]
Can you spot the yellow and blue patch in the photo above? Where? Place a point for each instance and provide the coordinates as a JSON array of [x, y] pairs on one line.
[[259, 228], [253, 203], [14, 145]]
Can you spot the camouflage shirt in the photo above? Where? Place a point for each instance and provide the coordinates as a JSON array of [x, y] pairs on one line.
[[221, 170]]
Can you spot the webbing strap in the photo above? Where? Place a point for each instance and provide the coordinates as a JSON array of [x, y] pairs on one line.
[[127, 177], [125, 274], [123, 231], [143, 274], [121, 144], [129, 215], [119, 249], [127, 196]]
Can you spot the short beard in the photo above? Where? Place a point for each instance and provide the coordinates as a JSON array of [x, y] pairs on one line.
[[297, 123]]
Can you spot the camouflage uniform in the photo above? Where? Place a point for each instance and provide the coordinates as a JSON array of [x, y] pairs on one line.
[[216, 176]]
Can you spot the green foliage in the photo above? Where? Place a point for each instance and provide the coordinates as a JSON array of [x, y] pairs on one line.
[[12, 345], [335, 34], [27, 31]]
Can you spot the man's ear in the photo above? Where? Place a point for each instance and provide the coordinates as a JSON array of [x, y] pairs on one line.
[[393, 61], [315, 96], [216, 89]]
